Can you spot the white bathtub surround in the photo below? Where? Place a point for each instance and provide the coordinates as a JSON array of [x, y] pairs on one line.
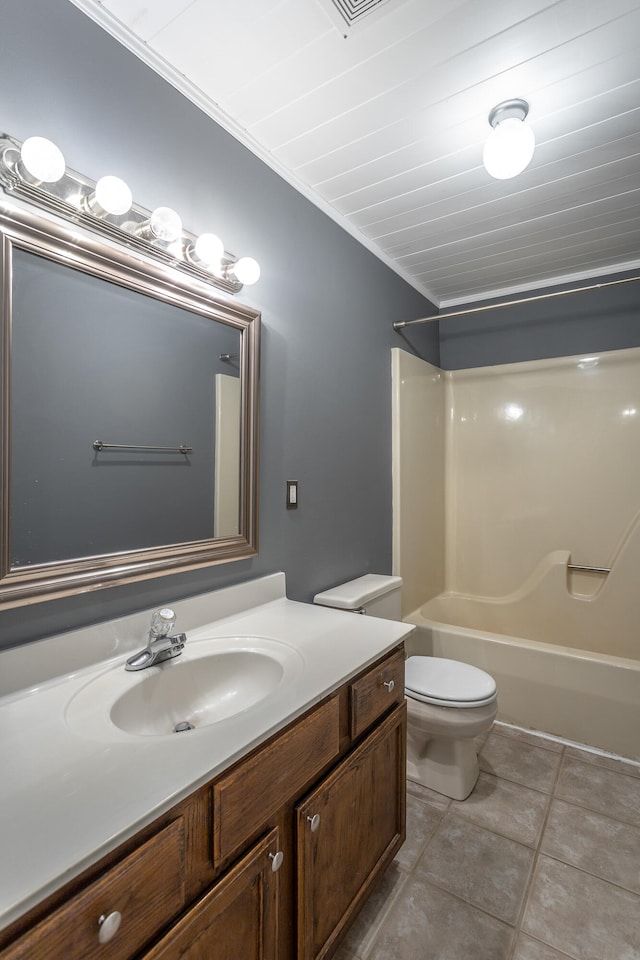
[[572, 694], [419, 417], [69, 794], [542, 456], [542, 472]]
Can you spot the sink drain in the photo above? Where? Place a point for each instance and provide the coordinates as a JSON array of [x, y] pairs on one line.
[[184, 725]]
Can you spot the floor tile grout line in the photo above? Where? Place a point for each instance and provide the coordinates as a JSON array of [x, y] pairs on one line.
[[598, 813], [519, 783], [613, 758], [385, 913], [494, 829], [429, 839], [561, 953], [536, 857], [408, 873], [603, 767], [481, 826], [449, 812], [474, 906], [443, 813], [540, 746], [584, 806], [452, 811], [566, 744], [588, 873], [554, 753]]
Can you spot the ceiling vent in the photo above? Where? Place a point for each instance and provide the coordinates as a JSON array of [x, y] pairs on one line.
[[349, 13]]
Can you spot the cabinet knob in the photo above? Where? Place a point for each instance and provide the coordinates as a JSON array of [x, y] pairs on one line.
[[276, 860], [389, 684], [314, 821], [109, 926]]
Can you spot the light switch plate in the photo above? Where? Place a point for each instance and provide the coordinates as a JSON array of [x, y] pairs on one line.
[[292, 494]]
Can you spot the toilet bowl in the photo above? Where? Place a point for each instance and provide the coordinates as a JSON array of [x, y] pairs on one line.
[[449, 703]]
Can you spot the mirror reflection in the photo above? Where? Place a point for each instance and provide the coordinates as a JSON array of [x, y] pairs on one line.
[[130, 422]]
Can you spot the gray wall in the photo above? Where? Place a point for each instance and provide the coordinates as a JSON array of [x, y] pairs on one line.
[[327, 305], [607, 319], [94, 360]]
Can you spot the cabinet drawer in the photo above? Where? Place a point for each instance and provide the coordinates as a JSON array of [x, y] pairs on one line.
[[245, 799], [374, 693], [146, 888]]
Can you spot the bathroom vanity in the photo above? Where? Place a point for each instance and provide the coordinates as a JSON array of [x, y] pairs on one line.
[[266, 850]]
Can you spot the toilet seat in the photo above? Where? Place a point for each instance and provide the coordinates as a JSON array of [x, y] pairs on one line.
[[448, 683]]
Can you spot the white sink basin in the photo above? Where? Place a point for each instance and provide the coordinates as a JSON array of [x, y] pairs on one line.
[[212, 681]]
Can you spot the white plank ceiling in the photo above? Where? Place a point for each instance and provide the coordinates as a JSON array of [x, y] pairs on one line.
[[381, 122]]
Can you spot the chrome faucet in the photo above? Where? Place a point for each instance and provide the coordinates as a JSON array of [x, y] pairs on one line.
[[160, 645]]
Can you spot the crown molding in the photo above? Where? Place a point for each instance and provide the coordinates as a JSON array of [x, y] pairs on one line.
[[105, 19]]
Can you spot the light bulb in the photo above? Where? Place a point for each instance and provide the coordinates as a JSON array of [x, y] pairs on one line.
[[208, 250], [246, 270], [42, 161], [111, 195], [165, 224], [510, 145]]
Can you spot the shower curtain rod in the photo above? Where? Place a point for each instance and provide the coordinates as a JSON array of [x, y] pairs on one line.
[[400, 324]]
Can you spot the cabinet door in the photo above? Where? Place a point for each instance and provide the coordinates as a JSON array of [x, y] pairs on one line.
[[237, 919], [348, 831]]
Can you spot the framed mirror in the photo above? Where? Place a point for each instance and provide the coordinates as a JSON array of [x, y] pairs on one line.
[[130, 399]]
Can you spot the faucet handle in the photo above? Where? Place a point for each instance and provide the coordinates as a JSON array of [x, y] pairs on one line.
[[177, 642], [162, 622]]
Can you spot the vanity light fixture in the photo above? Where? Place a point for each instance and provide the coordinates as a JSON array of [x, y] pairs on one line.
[[207, 251], [40, 161], [35, 171], [509, 147], [164, 225], [246, 270], [111, 197]]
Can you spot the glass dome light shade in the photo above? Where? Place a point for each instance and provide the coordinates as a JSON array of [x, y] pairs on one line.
[[246, 270], [113, 195], [209, 249], [42, 160], [508, 148], [165, 224]]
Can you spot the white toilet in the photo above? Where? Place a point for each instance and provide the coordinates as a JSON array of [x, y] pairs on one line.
[[448, 702]]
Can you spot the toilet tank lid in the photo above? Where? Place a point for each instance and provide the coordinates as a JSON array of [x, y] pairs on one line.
[[357, 593]]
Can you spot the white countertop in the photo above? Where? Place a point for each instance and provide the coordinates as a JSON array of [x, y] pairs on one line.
[[69, 795]]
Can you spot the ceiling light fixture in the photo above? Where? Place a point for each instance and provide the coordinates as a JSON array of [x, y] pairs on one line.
[[509, 147], [35, 171]]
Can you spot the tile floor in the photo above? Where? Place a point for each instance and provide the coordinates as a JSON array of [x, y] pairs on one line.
[[541, 862]]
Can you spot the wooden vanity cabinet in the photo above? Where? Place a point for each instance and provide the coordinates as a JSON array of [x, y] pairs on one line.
[[145, 889], [237, 919], [348, 831], [270, 861]]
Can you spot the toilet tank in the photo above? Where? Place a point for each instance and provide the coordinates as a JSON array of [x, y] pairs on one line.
[[373, 594]]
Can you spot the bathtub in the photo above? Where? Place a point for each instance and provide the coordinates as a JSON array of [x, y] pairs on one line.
[[576, 694]]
